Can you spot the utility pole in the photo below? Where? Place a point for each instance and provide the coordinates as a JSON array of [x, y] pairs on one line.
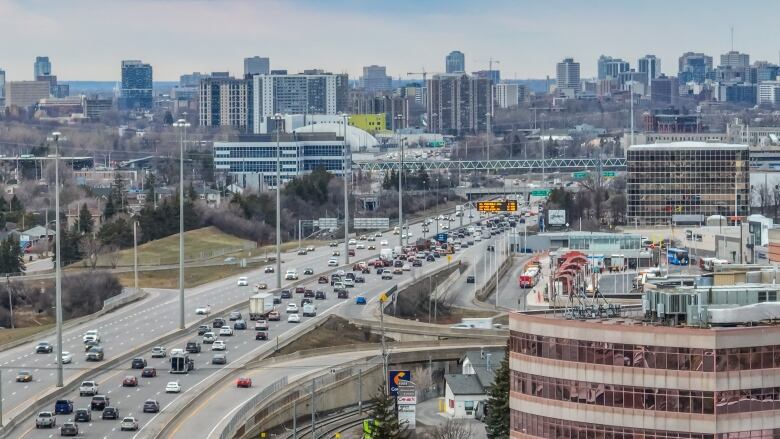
[[398, 118], [278, 118], [346, 192], [10, 301], [313, 411], [135, 256], [58, 267], [183, 124]]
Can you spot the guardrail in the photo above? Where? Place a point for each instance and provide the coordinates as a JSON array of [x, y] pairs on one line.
[[242, 415]]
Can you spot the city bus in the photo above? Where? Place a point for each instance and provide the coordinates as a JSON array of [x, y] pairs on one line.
[[677, 256]]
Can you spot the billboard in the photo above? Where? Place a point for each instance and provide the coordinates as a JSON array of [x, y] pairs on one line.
[[394, 378], [497, 206], [556, 217]]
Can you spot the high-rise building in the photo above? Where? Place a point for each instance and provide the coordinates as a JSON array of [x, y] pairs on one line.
[[42, 67], [664, 91], [136, 85], [25, 94], [506, 95], [493, 75], [2, 85], [314, 93], [739, 93], [650, 65], [609, 67], [769, 93], [458, 103], [375, 79], [735, 60], [226, 102], [256, 66], [192, 79], [694, 67], [766, 71], [568, 78], [455, 62]]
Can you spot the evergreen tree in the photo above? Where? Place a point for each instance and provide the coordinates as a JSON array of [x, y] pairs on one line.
[[70, 251], [109, 210], [149, 183], [497, 406], [11, 256], [118, 232], [386, 424], [168, 118], [118, 193], [16, 205], [86, 224]]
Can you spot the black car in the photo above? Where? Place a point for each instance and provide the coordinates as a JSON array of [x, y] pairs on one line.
[[308, 271], [99, 402], [218, 323], [202, 329], [360, 280], [398, 263], [308, 293], [44, 348], [417, 263], [82, 415], [239, 324], [277, 299], [110, 413], [69, 429], [380, 270], [491, 248], [430, 258], [151, 406], [342, 293], [320, 295], [192, 347], [286, 294], [305, 300], [140, 363], [470, 279], [261, 335]]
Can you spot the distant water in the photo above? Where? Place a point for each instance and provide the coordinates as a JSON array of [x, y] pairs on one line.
[[105, 87]]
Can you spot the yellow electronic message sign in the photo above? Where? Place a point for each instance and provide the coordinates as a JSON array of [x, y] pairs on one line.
[[497, 206]]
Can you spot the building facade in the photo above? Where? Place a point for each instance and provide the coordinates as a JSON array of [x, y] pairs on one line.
[[650, 65], [375, 79], [686, 178], [455, 62], [735, 60], [226, 102], [568, 78], [458, 103], [664, 91], [2, 86], [42, 67], [769, 93], [507, 95], [609, 67], [25, 94], [256, 65], [136, 85]]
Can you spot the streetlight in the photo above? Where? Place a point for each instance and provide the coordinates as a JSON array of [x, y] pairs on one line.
[[183, 125], [346, 191], [398, 118], [436, 212], [56, 136], [279, 118]]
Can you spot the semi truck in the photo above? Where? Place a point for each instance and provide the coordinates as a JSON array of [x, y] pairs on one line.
[[181, 363], [260, 305]]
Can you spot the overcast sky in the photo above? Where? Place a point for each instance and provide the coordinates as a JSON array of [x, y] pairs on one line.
[[87, 39]]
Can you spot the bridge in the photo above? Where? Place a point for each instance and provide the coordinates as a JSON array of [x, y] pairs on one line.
[[617, 164]]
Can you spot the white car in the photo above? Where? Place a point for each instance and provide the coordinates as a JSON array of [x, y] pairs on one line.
[[384, 243], [208, 337], [352, 242], [173, 387], [92, 334], [291, 274], [348, 282], [360, 246], [292, 308], [203, 310], [129, 423], [243, 281], [67, 357], [333, 262], [406, 267], [218, 345], [293, 318], [225, 330], [378, 234], [158, 352]]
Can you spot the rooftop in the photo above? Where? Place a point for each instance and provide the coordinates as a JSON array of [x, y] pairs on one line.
[[688, 145], [464, 384]]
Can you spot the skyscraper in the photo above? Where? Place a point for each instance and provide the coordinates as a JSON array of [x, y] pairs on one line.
[[651, 66], [42, 67], [226, 102], [456, 62], [694, 67], [256, 66], [136, 85], [458, 103], [735, 60], [568, 78], [609, 67], [375, 79]]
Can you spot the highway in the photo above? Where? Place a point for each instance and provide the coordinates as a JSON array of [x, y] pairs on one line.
[[241, 347]]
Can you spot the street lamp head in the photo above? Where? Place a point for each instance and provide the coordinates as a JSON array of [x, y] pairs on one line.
[[278, 116]]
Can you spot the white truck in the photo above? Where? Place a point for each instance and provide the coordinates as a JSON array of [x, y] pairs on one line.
[[309, 310], [260, 305], [386, 254], [88, 388], [459, 210], [397, 250], [478, 322]]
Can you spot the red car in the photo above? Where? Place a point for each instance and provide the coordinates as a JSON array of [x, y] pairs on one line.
[[351, 252], [149, 372], [323, 280], [299, 290], [244, 382], [130, 381], [274, 316], [357, 267], [261, 335]]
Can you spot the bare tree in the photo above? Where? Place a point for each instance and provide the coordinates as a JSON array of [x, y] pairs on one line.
[[452, 429], [90, 246], [423, 378], [112, 251]]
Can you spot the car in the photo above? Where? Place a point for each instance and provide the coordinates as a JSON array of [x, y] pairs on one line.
[[209, 338], [44, 347], [243, 281], [398, 270], [88, 388], [406, 267], [291, 274], [261, 325], [63, 406], [160, 352], [398, 263], [320, 295], [130, 381], [339, 285], [244, 382], [387, 275], [151, 406], [234, 315], [149, 372], [268, 269], [277, 299], [286, 294], [342, 293], [95, 353], [46, 420], [351, 252], [239, 325], [383, 243], [308, 293], [261, 335], [291, 308], [293, 318], [360, 300], [308, 271], [99, 402], [218, 322], [349, 282], [128, 423], [202, 311], [138, 363], [470, 279], [417, 263], [192, 347], [110, 413], [333, 244], [274, 316], [90, 343], [218, 345], [372, 247], [24, 377], [335, 253], [173, 387], [352, 242], [82, 415], [229, 259], [371, 239], [305, 300], [302, 252], [219, 359], [226, 331], [92, 334], [322, 280], [261, 286], [300, 290], [360, 246], [69, 429], [430, 258], [360, 280]]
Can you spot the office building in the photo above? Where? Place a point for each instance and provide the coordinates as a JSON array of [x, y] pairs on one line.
[[256, 66], [192, 79], [95, 107], [568, 78], [686, 179], [740, 94], [2, 85], [300, 153], [458, 103], [769, 93], [455, 62], [671, 121], [766, 71], [650, 65], [735, 60], [609, 67], [313, 93], [25, 94], [42, 67], [493, 75], [136, 86], [689, 365], [389, 105], [506, 95], [417, 92], [375, 79], [226, 102], [664, 91], [694, 67]]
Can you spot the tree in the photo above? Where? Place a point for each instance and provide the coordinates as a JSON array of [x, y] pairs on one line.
[[452, 429], [11, 256], [168, 118], [149, 182], [118, 232], [109, 210], [90, 246], [497, 406], [386, 424], [70, 251], [86, 224]]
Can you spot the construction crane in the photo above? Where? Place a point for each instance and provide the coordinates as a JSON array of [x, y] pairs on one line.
[[424, 74]]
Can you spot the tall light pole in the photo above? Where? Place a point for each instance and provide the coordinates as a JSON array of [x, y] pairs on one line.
[[56, 136], [182, 124], [135, 256], [436, 212], [398, 118], [278, 118], [346, 191]]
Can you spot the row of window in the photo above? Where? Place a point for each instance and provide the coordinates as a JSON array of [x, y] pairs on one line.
[[552, 428], [646, 356], [270, 152]]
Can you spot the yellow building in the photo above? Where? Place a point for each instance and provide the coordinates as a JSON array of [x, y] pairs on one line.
[[371, 123]]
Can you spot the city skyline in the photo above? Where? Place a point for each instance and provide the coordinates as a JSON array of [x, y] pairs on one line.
[[525, 38]]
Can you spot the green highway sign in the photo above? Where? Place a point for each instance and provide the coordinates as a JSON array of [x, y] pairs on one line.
[[608, 174], [579, 175], [540, 192]]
